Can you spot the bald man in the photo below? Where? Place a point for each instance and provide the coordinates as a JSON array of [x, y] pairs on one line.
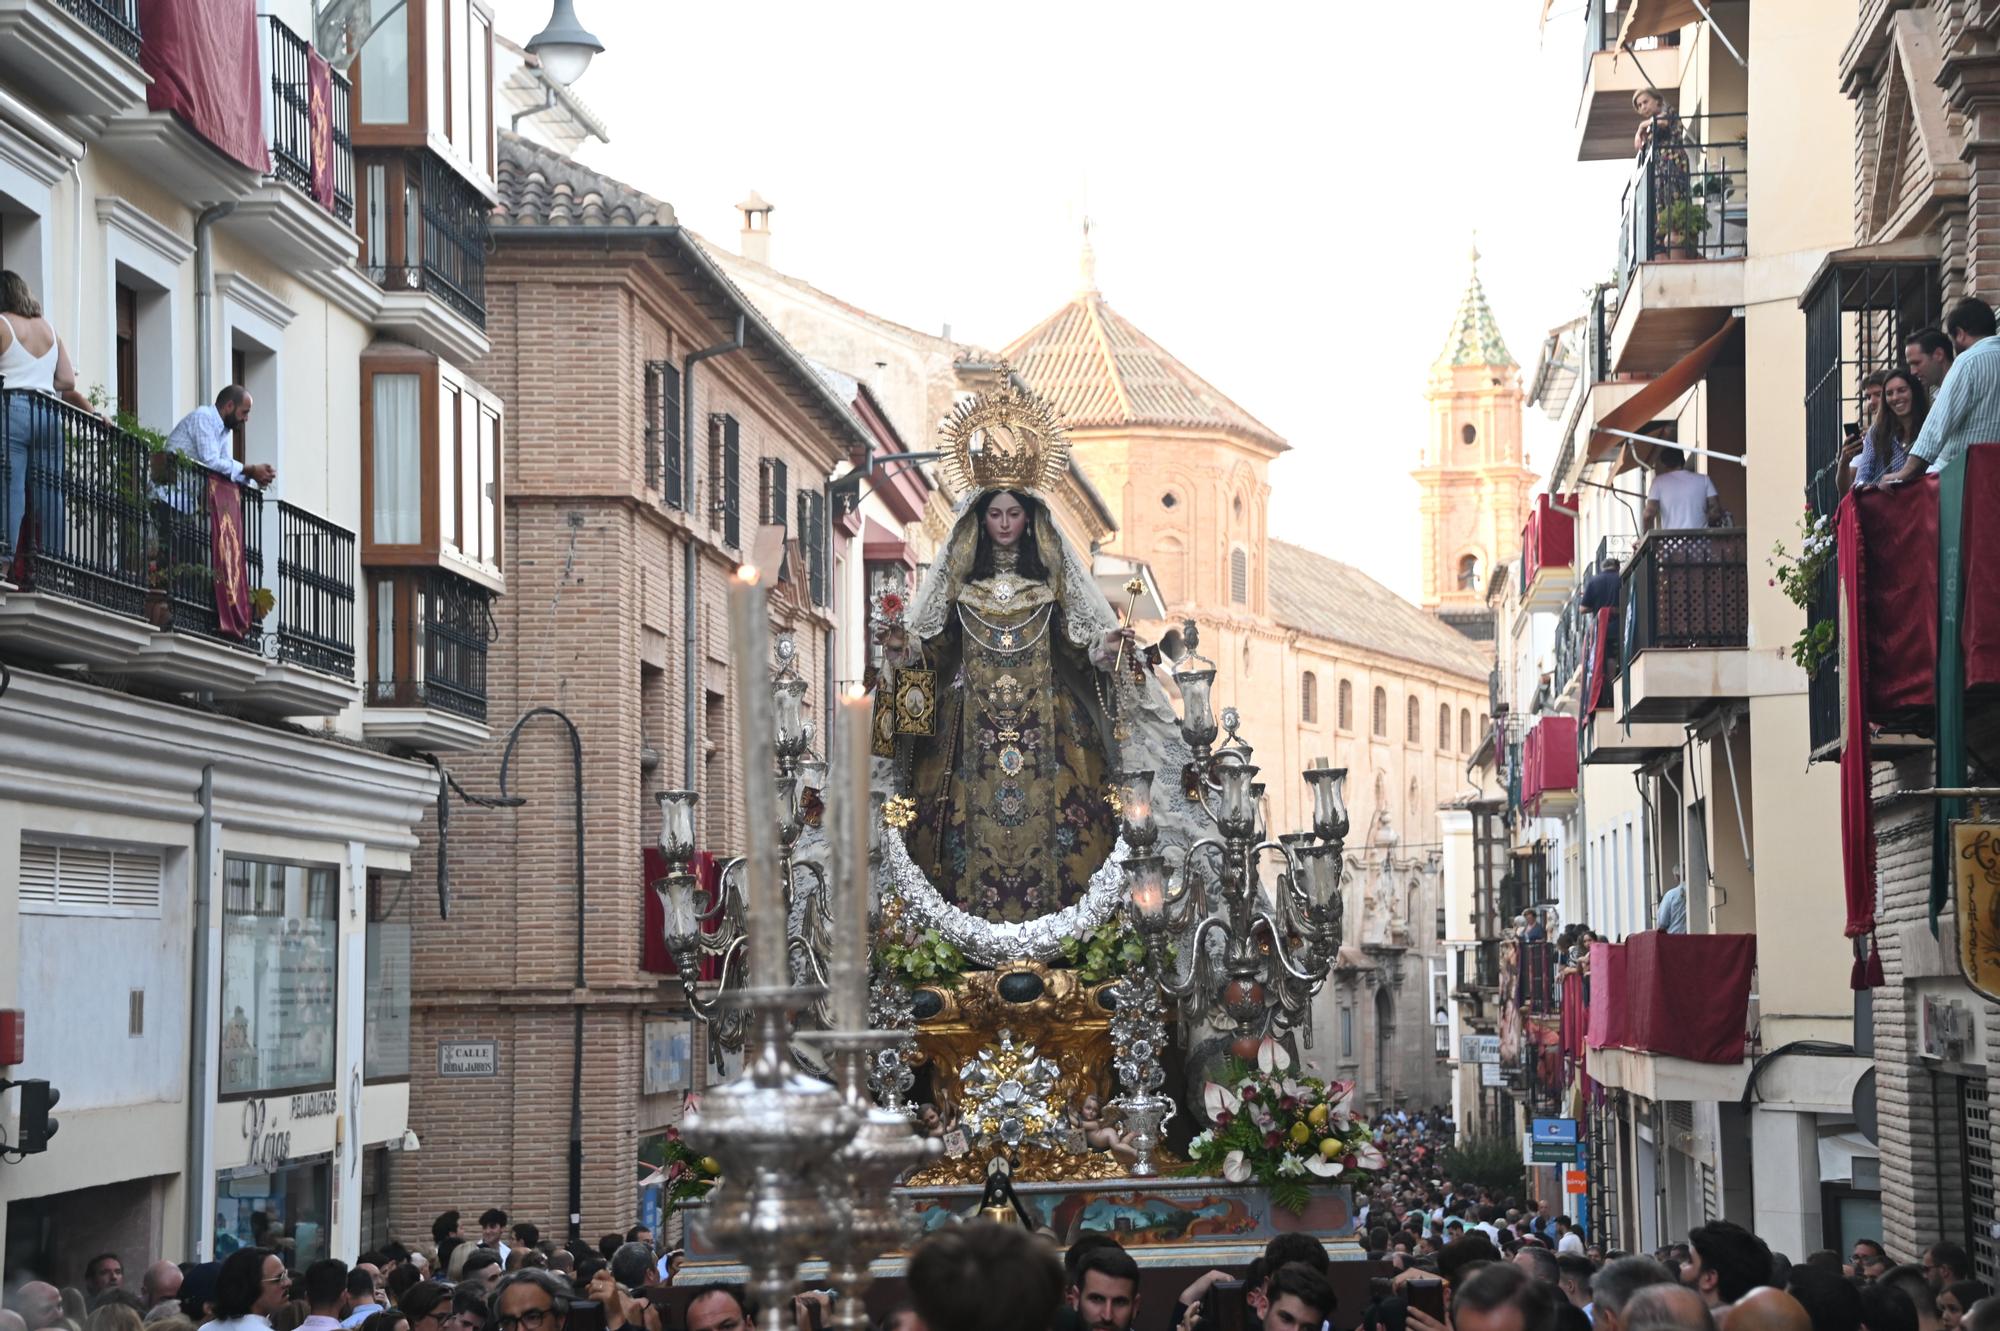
[[11, 1321], [1767, 1309], [39, 1303], [1666, 1308], [161, 1285]]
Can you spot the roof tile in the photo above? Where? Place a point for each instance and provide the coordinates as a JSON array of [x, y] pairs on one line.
[[1328, 599]]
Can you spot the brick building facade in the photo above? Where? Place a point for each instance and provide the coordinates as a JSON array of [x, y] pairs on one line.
[[595, 300]]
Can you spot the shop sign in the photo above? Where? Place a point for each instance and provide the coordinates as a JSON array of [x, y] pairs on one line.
[[1576, 1182], [264, 1148], [468, 1058], [1555, 1130], [317, 1104], [1976, 881], [1491, 1075], [1479, 1049], [1551, 1153]]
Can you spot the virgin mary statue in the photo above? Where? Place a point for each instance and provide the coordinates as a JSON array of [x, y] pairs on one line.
[[1016, 645]]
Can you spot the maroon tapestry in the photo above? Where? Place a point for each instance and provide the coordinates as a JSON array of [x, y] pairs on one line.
[[319, 124], [228, 555], [202, 56]]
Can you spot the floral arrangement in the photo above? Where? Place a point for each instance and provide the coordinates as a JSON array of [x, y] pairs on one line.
[[1798, 576], [915, 954], [1283, 1131], [1110, 950], [688, 1176]]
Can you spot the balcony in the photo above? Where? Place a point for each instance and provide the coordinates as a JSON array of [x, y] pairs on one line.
[[1605, 120], [424, 229], [1683, 224], [112, 563], [80, 57], [1548, 553], [301, 216], [1686, 600], [427, 677], [1651, 1033], [1549, 768]]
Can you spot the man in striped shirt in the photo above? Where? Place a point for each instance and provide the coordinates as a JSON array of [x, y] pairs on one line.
[[1967, 407]]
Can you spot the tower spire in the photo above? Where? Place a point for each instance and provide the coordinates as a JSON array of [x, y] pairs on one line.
[[1087, 264], [1475, 334]]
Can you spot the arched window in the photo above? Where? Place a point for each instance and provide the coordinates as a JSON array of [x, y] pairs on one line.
[[1239, 578], [1485, 724], [1308, 698], [1413, 723], [1381, 714], [1444, 728], [1468, 573], [1346, 705], [1464, 730]]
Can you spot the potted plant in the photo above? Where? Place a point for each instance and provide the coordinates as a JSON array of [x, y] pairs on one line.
[[261, 602], [159, 601], [1681, 222]]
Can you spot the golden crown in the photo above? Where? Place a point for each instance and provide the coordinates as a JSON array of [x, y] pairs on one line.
[[1007, 438]]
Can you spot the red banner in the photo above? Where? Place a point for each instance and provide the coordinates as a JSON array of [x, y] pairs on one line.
[[229, 558], [319, 125], [202, 57], [1640, 997]]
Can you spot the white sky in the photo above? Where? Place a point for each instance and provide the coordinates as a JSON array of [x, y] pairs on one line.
[[1283, 195]]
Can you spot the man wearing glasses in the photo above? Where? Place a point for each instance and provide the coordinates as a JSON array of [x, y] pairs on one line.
[[1870, 1259], [530, 1300]]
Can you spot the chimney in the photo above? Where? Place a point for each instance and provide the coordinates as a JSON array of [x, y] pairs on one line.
[[755, 244]]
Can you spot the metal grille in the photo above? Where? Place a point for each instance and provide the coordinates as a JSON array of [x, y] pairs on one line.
[[725, 465], [184, 557], [456, 219], [116, 21], [1688, 196], [315, 592], [458, 625], [1857, 317], [1688, 589], [80, 512], [772, 491], [1976, 1127], [291, 118]]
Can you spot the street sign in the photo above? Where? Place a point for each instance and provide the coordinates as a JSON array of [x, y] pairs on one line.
[[1479, 1049], [1551, 1153], [1554, 1130], [1489, 1075], [1576, 1182], [468, 1058]]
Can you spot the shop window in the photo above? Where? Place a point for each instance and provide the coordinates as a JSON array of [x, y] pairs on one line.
[[386, 1038], [280, 949], [254, 1208]]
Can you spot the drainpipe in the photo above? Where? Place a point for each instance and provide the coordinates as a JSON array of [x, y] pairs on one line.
[[201, 1066], [204, 295], [690, 565]]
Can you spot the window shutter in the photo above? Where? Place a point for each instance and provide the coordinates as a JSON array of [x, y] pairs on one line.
[[38, 875], [1239, 577], [89, 879], [816, 534], [135, 881], [654, 441], [771, 492], [674, 448]]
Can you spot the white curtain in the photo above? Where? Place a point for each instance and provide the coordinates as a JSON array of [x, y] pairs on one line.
[[398, 460]]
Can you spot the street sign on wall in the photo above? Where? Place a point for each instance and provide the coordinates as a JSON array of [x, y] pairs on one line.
[[1479, 1049], [468, 1058]]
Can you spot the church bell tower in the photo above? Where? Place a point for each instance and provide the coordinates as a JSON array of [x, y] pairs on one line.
[[1472, 474]]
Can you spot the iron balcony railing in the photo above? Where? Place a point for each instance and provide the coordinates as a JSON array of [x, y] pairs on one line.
[[452, 623], [456, 221], [1570, 640], [1689, 194], [315, 599], [1688, 589], [294, 157], [116, 21], [1597, 332], [91, 512]]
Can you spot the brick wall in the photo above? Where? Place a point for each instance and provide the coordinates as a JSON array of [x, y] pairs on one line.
[[592, 624]]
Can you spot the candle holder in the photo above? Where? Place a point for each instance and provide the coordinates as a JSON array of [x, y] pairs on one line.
[[777, 1135], [1145, 1119], [884, 1149], [1138, 1034]]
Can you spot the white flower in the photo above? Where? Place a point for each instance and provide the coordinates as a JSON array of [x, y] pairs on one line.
[[1219, 1099], [1291, 1166], [1323, 1167], [1368, 1155], [1235, 1168], [1200, 1141], [1271, 1057]]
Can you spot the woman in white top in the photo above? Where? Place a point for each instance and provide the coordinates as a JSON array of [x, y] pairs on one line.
[[32, 358]]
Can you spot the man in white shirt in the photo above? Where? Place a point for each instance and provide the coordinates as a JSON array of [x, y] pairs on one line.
[[363, 1294], [1569, 1241], [1680, 499], [326, 1295], [204, 434]]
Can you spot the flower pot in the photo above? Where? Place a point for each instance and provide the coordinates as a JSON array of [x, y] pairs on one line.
[[159, 609], [161, 467]]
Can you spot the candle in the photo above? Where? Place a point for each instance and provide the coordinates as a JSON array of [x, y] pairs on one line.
[[756, 729], [848, 806]]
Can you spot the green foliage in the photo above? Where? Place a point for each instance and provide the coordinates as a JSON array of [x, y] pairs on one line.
[[921, 956], [1683, 220], [1493, 1163], [1288, 1133], [1798, 577], [1107, 952], [688, 1176]]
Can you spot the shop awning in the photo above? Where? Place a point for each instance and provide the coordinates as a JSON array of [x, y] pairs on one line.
[[1657, 396], [879, 545], [1657, 18]]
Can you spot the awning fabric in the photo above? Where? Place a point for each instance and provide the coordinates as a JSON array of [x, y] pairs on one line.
[[1657, 18], [1639, 998], [1655, 397]]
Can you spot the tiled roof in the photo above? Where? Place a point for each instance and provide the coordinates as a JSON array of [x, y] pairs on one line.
[[1098, 369], [1325, 598], [1475, 337], [539, 187]]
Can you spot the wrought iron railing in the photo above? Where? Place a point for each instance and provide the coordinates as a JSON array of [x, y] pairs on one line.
[[1689, 193], [289, 87], [1597, 333], [116, 21], [449, 625], [1571, 640], [74, 496], [454, 222], [1688, 589], [315, 600], [186, 559]]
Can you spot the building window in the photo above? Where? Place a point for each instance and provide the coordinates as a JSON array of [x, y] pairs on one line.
[[1169, 499], [70, 879], [1308, 698], [1444, 728], [127, 352], [1413, 724], [1239, 578], [431, 464], [385, 72], [386, 1040], [1485, 723], [813, 552], [1379, 717], [280, 944], [1346, 705], [772, 491], [1469, 433], [1464, 730], [1440, 924], [1347, 1033], [664, 450], [1468, 573], [725, 459]]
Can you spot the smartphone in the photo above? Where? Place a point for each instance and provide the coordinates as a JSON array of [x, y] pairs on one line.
[[1425, 1296], [585, 1315], [1225, 1306]]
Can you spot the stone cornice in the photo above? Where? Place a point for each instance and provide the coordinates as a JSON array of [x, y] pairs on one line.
[[155, 235], [236, 287]]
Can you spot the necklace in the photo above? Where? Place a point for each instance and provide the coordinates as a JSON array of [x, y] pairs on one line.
[[1008, 637]]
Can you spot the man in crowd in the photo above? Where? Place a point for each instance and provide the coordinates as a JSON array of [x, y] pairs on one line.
[[1574, 1276], [1672, 915], [1946, 1264], [1105, 1291], [1983, 1315], [1497, 1297], [1869, 1258], [364, 1285], [1725, 1262], [1966, 409], [1540, 1263], [1830, 1299], [1680, 499], [714, 1308], [1297, 1298], [39, 1303], [326, 1296], [982, 1277], [1910, 1281], [492, 1228], [533, 1300], [1567, 1239], [1667, 1307], [483, 1267], [102, 1272], [206, 434], [160, 1287], [1929, 354]]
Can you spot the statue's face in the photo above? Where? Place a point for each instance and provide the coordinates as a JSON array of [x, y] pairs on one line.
[[1005, 520]]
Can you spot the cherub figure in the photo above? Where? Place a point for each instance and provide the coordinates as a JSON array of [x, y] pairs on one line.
[[1101, 1134]]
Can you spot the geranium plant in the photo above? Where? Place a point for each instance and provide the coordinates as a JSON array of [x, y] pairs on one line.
[[1798, 576], [1284, 1131]]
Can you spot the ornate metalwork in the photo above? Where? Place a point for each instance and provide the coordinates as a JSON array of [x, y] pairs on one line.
[[1007, 438], [1010, 1096]]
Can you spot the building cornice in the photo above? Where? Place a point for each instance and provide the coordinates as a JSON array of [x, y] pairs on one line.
[[155, 235], [236, 287]]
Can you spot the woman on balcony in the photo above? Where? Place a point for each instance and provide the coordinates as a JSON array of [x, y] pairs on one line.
[[1659, 134], [34, 371], [1887, 444]]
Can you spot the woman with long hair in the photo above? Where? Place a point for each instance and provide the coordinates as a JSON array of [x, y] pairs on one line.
[[35, 371], [1887, 444]]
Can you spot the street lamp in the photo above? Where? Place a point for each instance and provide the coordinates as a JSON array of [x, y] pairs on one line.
[[564, 47]]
